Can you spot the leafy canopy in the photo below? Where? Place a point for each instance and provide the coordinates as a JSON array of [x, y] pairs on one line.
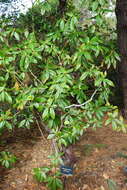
[[53, 70]]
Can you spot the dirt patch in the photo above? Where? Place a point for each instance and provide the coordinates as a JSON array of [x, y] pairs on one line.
[[104, 163], [101, 157], [31, 153]]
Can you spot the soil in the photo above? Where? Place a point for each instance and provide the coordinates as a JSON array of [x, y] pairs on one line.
[[101, 156]]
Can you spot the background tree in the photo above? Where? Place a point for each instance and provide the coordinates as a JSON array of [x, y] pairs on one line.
[[121, 13]]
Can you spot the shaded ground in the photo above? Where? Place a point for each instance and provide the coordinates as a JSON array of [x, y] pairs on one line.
[[99, 160]]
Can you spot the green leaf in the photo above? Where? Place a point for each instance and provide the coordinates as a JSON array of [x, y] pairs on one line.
[[54, 185], [62, 141], [83, 76], [17, 36], [22, 123], [26, 33], [72, 26], [42, 11], [8, 125], [45, 113], [2, 96], [109, 82], [51, 136], [2, 88], [2, 79], [8, 97], [67, 122], [52, 113], [94, 5], [102, 2], [87, 56], [112, 184], [62, 24], [2, 124], [59, 183], [6, 163], [108, 121]]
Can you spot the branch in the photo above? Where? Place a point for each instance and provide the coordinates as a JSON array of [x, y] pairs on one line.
[[40, 129], [54, 145], [35, 77], [80, 105]]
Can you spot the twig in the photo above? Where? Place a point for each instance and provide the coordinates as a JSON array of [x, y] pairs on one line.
[[21, 83], [35, 77], [55, 146], [40, 129], [45, 127], [16, 113], [80, 105]]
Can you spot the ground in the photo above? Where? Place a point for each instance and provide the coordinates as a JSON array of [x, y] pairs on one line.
[[101, 156]]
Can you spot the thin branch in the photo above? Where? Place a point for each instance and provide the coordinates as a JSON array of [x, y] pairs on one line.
[[80, 105], [21, 83], [16, 113], [62, 6], [35, 77], [54, 144], [40, 129]]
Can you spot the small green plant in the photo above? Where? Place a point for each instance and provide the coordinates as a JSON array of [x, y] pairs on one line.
[[46, 175], [112, 184], [7, 159], [50, 175], [40, 174], [54, 183], [121, 155]]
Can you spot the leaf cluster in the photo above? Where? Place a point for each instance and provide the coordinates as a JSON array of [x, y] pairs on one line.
[[50, 175], [7, 159]]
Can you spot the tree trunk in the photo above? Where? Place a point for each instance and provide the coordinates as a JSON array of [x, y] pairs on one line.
[[62, 6], [121, 14]]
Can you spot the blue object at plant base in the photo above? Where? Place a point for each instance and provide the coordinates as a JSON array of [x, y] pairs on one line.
[[125, 170], [66, 170]]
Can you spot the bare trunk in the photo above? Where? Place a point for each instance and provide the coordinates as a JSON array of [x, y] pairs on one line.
[[121, 14], [62, 6]]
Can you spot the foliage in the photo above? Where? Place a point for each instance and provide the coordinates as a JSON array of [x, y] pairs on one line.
[[116, 123], [54, 68], [112, 184], [50, 175], [53, 182], [121, 155], [7, 159], [47, 71]]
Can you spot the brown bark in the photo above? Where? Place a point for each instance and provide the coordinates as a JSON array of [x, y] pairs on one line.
[[62, 6], [121, 14]]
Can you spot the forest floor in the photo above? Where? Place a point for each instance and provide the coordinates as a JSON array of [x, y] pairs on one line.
[[101, 157]]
